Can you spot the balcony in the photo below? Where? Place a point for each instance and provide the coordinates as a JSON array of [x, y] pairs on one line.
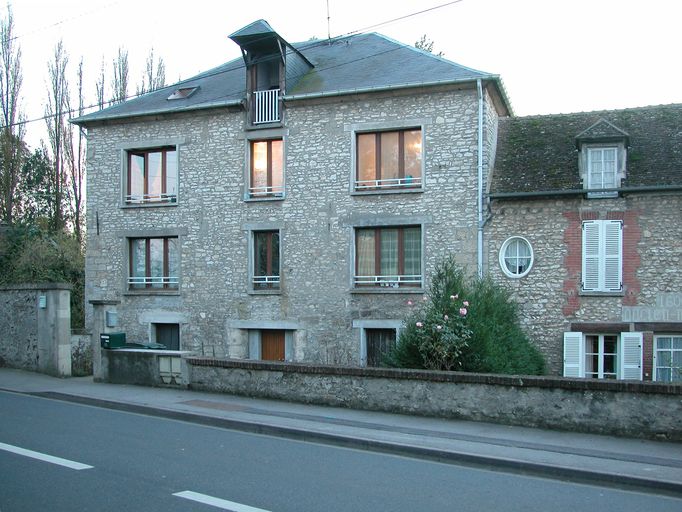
[[266, 106]]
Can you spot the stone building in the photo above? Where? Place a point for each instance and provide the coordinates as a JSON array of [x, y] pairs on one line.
[[586, 227], [287, 205]]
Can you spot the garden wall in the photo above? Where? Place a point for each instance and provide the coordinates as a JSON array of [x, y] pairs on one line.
[[627, 408], [35, 327]]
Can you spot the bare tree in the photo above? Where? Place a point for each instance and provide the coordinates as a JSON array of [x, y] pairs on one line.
[[154, 76], [426, 44], [100, 85], [119, 83], [56, 112], [12, 129], [74, 157]]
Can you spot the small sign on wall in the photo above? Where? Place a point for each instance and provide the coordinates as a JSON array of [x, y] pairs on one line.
[[42, 301]]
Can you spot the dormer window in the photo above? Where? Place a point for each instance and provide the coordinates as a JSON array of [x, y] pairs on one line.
[[602, 150], [182, 93], [602, 169]]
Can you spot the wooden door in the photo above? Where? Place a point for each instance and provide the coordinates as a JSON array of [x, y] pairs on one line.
[[379, 342], [272, 345]]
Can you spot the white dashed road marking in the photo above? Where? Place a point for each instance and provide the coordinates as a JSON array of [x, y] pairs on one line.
[[44, 457], [217, 502]]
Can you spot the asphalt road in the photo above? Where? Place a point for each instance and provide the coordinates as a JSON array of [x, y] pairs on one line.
[[135, 462]]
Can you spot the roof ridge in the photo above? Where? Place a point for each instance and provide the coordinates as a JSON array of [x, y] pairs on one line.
[[600, 112], [432, 55]]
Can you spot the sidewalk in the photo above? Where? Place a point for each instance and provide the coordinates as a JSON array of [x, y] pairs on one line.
[[650, 465]]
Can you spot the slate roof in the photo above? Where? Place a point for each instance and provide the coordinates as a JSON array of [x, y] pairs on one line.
[[538, 153], [344, 65]]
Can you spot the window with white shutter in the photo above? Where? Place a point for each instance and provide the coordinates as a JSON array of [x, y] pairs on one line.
[[603, 356], [602, 256], [631, 356], [574, 350]]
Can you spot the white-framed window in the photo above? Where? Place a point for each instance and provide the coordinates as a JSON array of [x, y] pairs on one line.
[[516, 257], [388, 257], [602, 255], [668, 358], [602, 170], [603, 356]]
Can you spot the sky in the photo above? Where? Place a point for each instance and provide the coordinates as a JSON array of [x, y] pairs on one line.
[[554, 56]]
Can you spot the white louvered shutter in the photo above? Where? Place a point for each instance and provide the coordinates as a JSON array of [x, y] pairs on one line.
[[574, 354], [630, 355], [613, 248], [591, 255]]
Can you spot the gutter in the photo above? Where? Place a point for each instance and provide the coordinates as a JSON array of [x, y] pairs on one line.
[[479, 199], [407, 85], [582, 191], [82, 121]]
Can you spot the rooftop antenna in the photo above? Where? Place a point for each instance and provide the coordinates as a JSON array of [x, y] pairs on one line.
[[329, 33]]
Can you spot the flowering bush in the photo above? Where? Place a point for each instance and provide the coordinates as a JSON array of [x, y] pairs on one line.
[[468, 325]]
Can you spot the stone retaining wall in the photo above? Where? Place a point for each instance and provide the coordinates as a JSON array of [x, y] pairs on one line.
[[627, 408], [35, 327]]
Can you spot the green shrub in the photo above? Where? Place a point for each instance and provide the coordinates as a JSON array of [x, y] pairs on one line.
[[479, 329], [30, 254]]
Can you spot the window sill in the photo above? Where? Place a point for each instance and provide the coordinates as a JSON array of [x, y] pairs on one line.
[[382, 192], [263, 199], [602, 294], [261, 126], [265, 292], [158, 204], [387, 290], [172, 293]]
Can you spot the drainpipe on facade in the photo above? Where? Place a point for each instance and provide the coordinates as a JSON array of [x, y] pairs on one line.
[[480, 178]]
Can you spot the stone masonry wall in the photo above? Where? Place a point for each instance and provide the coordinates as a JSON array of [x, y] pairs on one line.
[[316, 220], [35, 333], [647, 410], [549, 296]]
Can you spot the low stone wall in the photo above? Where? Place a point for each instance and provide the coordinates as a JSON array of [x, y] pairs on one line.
[[627, 408], [35, 327], [142, 367]]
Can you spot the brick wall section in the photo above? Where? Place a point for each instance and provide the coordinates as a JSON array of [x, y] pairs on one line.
[[628, 408], [316, 218], [549, 296]]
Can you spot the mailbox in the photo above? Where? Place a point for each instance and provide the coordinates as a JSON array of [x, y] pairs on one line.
[[112, 339]]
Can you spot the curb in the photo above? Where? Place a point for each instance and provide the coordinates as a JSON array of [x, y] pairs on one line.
[[576, 475]]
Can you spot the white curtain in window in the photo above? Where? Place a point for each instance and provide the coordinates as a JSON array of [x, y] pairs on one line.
[[365, 252], [389, 252]]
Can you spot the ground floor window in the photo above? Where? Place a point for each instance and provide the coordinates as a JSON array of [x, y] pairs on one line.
[[603, 356], [601, 352], [379, 344], [167, 335], [668, 358]]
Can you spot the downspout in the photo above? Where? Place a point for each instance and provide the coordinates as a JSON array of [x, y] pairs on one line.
[[480, 178]]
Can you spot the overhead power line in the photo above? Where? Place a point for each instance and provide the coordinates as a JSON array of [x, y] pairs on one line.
[[209, 74]]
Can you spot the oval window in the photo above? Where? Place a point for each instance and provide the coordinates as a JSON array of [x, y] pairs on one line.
[[516, 257]]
